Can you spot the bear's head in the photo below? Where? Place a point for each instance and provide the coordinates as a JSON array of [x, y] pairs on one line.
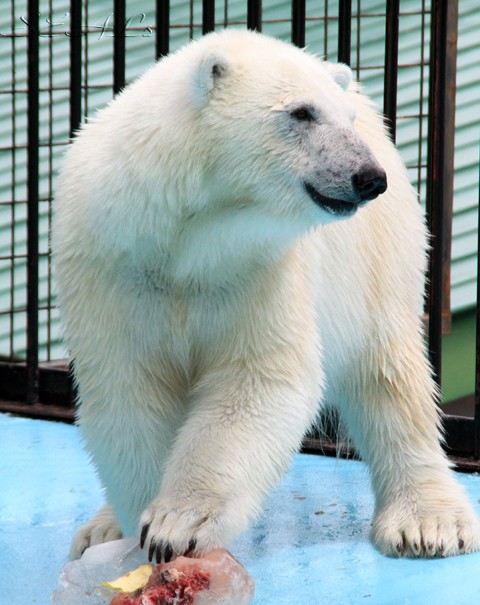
[[278, 129]]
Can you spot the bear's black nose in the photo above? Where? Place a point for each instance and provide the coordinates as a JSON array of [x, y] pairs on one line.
[[369, 182]]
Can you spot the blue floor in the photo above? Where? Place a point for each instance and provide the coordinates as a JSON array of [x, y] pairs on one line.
[[309, 547]]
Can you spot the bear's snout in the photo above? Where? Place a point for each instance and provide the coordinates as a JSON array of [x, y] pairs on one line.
[[369, 182]]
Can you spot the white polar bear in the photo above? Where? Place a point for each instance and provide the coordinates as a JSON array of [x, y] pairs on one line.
[[212, 297]]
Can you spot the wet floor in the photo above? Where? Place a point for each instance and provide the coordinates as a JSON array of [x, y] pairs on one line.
[[309, 547]]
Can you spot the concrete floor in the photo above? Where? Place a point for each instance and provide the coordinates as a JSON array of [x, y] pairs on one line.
[[309, 547]]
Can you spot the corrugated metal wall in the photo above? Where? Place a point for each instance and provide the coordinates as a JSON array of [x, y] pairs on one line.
[[467, 137], [321, 36]]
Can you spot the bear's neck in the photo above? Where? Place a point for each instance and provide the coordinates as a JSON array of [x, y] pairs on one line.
[[228, 245]]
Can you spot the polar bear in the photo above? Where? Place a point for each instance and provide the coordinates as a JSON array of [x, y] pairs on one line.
[[222, 270]]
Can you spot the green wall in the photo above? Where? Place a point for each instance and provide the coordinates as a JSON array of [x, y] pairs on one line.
[[458, 363]]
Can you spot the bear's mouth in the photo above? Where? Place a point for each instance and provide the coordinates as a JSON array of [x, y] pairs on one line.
[[330, 204]]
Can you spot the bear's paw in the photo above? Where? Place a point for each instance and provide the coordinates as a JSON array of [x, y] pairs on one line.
[[196, 525], [103, 527], [436, 529]]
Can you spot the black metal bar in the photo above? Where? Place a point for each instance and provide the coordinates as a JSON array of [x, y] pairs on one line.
[[208, 18], [75, 65], [391, 66], [225, 14], [13, 181], [476, 445], [325, 31], [32, 204], [86, 63], [254, 15], [421, 111], [449, 93], [190, 18], [50, 185], [344, 30], [162, 39], [437, 183], [39, 410], [298, 22], [459, 432], [119, 22], [55, 383], [358, 40]]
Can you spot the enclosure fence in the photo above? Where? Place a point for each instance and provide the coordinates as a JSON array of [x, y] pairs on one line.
[[62, 60]]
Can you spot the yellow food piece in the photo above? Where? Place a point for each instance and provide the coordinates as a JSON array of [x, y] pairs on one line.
[[133, 580]]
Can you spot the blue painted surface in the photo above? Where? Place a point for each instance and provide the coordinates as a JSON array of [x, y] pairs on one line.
[[309, 547]]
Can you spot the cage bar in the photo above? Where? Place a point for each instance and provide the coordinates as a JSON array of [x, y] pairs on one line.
[[344, 30], [476, 445], [119, 21], [298, 22], [162, 37], [75, 65], [391, 65], [254, 15], [439, 181], [208, 18], [51, 89], [450, 93], [13, 180], [32, 203]]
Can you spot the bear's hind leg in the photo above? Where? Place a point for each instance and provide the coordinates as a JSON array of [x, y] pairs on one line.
[[101, 528], [390, 412]]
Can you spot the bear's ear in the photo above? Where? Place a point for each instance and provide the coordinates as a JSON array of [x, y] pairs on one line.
[[341, 74], [213, 66]]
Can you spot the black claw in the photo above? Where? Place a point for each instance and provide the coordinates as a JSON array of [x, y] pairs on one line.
[[168, 553], [191, 545], [143, 535], [151, 550]]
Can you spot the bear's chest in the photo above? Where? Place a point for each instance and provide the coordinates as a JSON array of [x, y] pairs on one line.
[[171, 315]]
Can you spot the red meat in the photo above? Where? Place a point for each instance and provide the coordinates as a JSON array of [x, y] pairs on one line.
[[217, 578], [167, 587]]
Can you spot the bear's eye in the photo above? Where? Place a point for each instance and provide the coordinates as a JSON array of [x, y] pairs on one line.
[[302, 114]]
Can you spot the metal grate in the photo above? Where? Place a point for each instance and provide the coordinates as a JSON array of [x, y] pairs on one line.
[[63, 62]]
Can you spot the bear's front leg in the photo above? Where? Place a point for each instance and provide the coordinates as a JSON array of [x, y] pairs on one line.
[[246, 421], [421, 509]]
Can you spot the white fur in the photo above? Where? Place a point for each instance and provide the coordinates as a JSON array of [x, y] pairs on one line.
[[209, 307], [341, 73]]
